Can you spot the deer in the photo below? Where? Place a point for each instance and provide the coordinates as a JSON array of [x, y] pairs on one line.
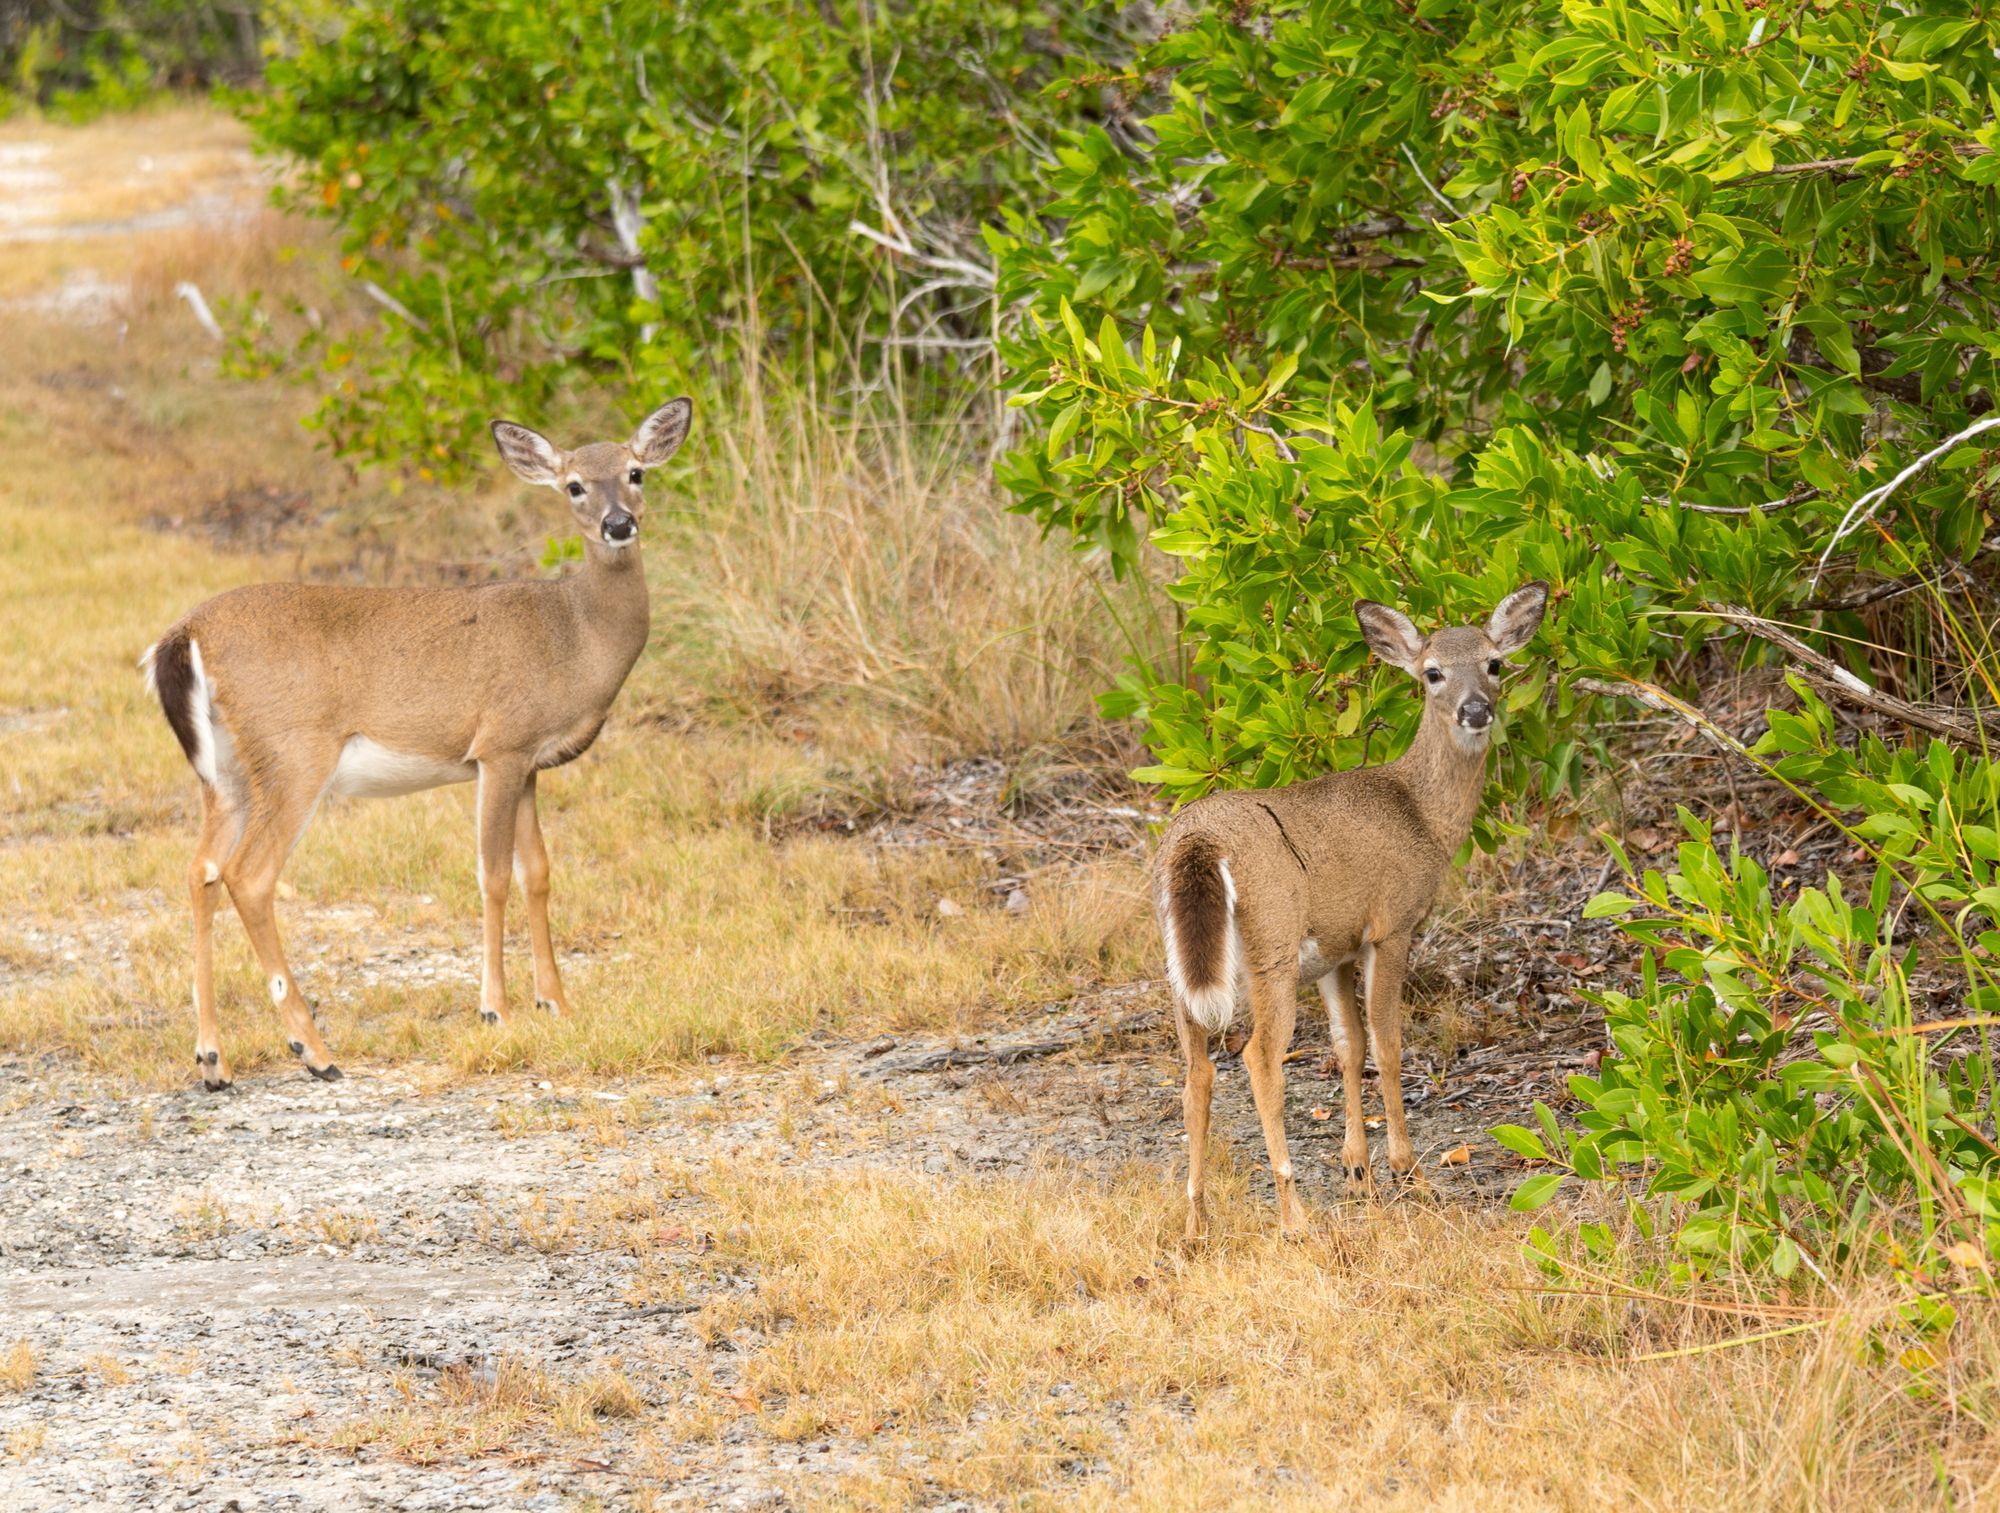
[[1259, 892], [280, 693]]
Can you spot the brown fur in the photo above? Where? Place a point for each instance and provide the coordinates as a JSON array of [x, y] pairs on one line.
[[1335, 873], [310, 687]]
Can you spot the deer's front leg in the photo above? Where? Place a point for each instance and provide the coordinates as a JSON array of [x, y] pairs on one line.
[[1382, 967], [1344, 1018], [500, 787], [531, 865]]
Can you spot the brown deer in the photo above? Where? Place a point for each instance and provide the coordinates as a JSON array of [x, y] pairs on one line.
[[1260, 892], [282, 692]]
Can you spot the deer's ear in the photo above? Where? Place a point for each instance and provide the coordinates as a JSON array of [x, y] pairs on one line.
[[1514, 622], [1390, 635], [527, 452], [661, 433]]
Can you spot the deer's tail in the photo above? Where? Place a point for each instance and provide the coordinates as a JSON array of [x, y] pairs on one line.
[[1197, 906]]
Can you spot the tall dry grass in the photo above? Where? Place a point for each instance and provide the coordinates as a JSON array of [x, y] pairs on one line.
[[862, 563]]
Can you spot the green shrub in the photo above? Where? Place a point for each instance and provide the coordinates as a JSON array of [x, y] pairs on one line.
[[82, 58], [1773, 1077], [629, 194], [1641, 296]]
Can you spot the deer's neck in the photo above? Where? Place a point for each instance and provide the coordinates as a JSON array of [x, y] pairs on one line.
[[1445, 776], [610, 599]]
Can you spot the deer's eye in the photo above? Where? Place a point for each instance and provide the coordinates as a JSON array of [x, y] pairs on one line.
[[1493, 668], [1433, 676], [575, 489], [638, 476]]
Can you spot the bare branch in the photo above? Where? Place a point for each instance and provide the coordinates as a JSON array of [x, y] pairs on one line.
[[1963, 726]]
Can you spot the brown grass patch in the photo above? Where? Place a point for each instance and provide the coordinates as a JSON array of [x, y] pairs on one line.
[[1051, 1342]]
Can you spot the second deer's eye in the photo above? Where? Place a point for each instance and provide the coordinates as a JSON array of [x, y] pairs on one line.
[[638, 475], [1493, 668], [575, 490], [1433, 676]]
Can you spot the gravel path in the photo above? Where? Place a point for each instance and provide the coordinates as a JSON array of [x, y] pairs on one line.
[[231, 1299]]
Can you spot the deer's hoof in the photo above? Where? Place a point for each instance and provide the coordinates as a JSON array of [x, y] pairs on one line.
[[327, 1073]]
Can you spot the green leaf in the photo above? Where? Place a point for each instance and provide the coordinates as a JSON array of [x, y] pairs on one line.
[[1536, 1192]]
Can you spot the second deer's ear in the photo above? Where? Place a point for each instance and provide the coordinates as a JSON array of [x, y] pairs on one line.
[[527, 452], [1518, 616], [1390, 635], [661, 433]]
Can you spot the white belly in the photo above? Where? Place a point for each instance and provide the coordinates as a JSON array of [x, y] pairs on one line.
[[366, 770]]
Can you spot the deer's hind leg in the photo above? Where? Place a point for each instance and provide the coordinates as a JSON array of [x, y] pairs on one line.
[[205, 892], [283, 793], [531, 865], [1196, 1095], [1274, 1006]]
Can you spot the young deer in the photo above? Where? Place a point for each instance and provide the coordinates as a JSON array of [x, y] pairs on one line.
[[1259, 892], [282, 692]]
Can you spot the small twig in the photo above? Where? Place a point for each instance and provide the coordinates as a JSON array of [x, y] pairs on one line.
[[1424, 179], [204, 317], [1865, 507], [395, 306]]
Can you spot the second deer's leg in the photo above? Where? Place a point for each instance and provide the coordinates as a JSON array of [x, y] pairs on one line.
[[1383, 964], [276, 814], [1350, 1044], [1273, 1008], [531, 862], [204, 892], [1195, 1097], [500, 787]]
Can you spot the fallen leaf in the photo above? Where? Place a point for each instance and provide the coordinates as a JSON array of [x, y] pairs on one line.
[[1786, 858], [1321, 1113], [1459, 1155], [1966, 1256]]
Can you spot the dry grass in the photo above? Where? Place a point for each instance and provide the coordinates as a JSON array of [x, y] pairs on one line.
[[493, 1408], [17, 1366], [1049, 1342], [869, 565]]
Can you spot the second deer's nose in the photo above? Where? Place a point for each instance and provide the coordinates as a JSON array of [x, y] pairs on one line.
[[620, 527], [1475, 714]]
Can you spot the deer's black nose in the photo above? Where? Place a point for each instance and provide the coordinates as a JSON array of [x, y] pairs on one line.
[[1475, 714], [620, 527]]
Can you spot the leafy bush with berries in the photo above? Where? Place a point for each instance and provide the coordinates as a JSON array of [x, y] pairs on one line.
[[1413, 302]]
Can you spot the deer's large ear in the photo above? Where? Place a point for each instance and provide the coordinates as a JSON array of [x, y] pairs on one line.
[[527, 452], [1390, 635], [1514, 622], [661, 433]]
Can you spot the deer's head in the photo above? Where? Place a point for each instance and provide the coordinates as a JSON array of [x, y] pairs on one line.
[[603, 481], [1460, 666]]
